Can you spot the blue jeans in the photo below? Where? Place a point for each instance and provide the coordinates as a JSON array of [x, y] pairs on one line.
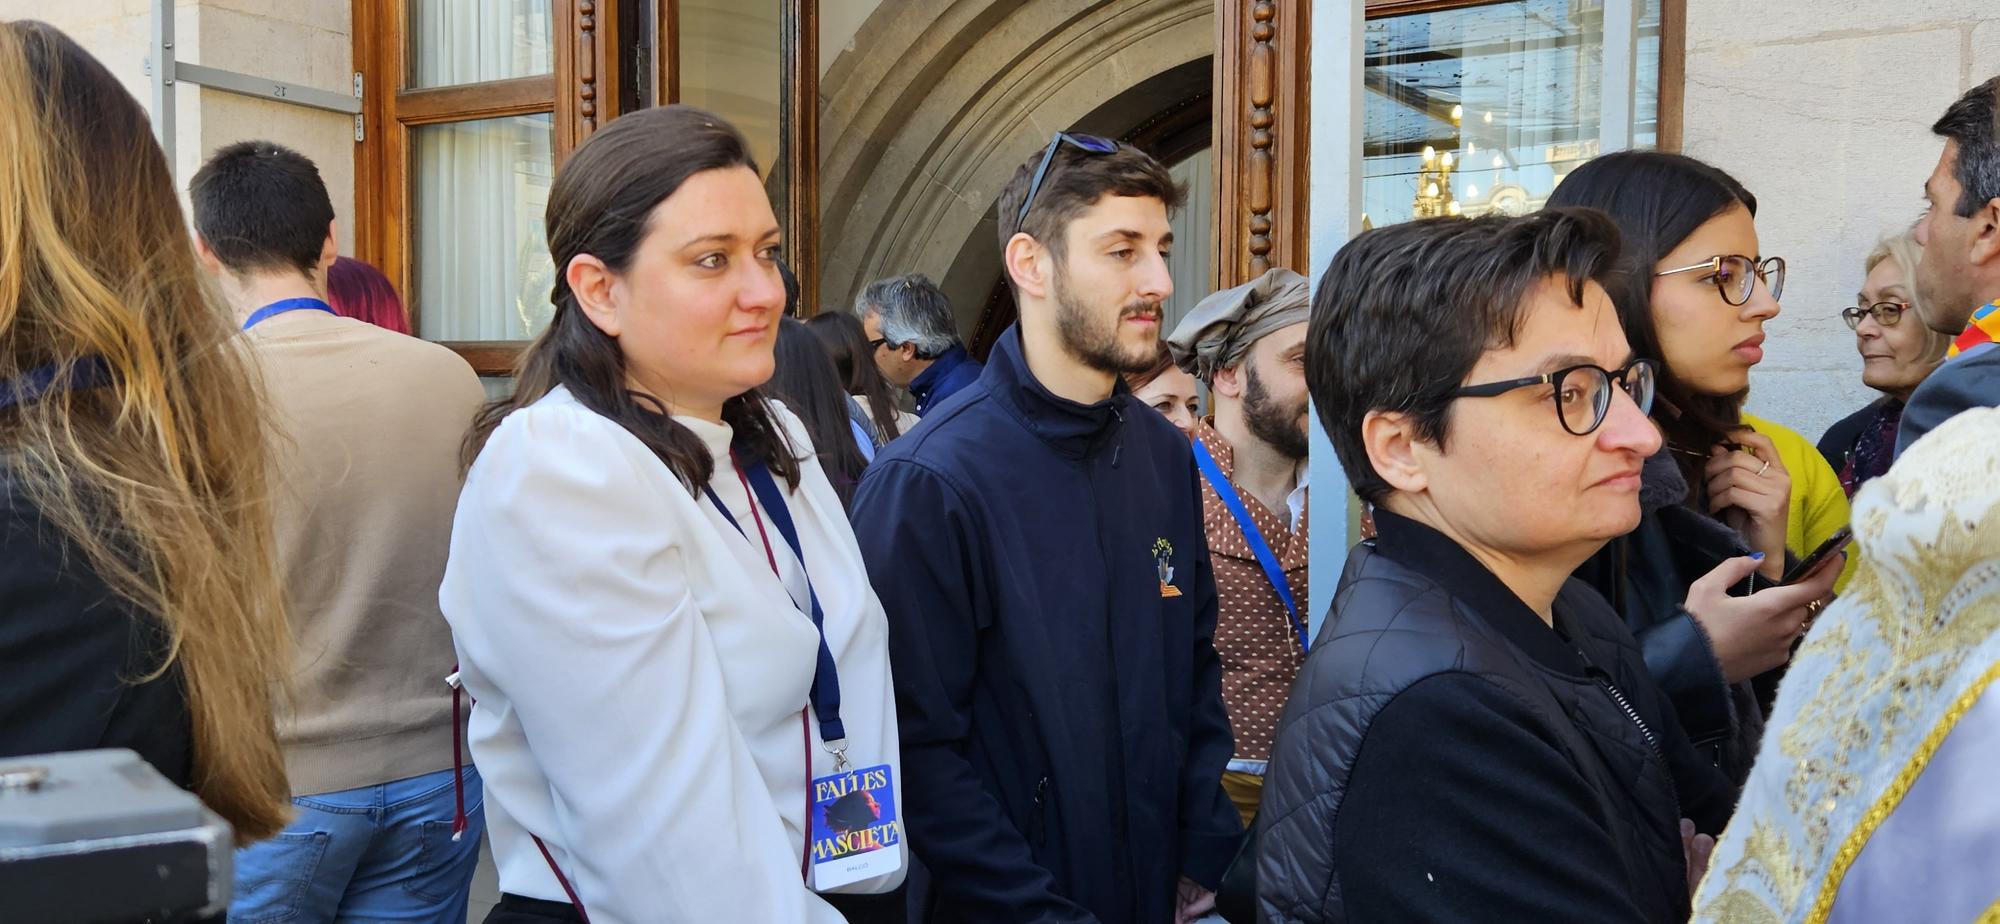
[[378, 853]]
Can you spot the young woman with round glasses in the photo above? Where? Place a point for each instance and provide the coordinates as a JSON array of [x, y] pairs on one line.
[[1730, 501], [1897, 354]]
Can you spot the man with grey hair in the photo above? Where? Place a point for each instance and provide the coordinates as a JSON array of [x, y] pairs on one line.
[[915, 339], [1248, 345]]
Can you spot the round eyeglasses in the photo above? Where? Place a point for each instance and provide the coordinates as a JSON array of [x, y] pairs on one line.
[[1884, 313], [1582, 393], [1736, 275]]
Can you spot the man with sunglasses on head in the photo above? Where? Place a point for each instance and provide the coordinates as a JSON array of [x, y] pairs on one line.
[[1959, 275], [1477, 737], [1039, 548]]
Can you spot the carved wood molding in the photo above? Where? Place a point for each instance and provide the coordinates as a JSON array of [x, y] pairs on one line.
[[1261, 135], [800, 56], [586, 71]]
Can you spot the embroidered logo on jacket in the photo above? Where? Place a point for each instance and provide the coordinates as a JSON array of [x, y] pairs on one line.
[[1163, 554]]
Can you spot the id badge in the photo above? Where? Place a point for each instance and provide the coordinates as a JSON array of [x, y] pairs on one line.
[[855, 829]]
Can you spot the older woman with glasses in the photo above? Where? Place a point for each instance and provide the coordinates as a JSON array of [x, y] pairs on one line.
[[1896, 357], [1475, 735], [1730, 501]]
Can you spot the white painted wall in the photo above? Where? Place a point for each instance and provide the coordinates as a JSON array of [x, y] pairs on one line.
[[307, 42], [1822, 108]]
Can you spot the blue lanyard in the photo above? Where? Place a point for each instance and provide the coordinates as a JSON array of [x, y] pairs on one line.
[[274, 309], [88, 372], [826, 679], [1258, 547]]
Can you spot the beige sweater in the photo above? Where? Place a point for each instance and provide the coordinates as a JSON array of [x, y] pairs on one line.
[[367, 427]]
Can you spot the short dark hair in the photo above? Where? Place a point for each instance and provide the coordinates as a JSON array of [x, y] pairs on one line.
[[261, 206], [1075, 181], [1974, 122], [1404, 313]]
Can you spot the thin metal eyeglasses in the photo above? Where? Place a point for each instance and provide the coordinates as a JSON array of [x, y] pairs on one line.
[[1736, 275], [1582, 394], [1089, 144], [1885, 313]]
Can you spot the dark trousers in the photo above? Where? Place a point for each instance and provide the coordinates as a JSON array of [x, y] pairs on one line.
[[515, 909]]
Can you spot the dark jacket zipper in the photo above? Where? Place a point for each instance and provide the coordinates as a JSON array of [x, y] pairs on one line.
[[1645, 731], [1038, 824]]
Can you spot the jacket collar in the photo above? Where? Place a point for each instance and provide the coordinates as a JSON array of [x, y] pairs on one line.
[[1434, 555], [1076, 430], [927, 380]]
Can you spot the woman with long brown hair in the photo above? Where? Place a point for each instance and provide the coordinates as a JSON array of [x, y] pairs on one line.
[[139, 605], [681, 680]]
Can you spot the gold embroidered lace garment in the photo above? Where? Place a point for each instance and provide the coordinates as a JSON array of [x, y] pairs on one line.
[[1902, 661]]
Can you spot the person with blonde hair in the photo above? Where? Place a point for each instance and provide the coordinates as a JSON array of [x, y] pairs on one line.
[[139, 604], [1895, 359]]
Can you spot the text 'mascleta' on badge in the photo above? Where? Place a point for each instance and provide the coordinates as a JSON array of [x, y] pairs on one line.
[[854, 827]]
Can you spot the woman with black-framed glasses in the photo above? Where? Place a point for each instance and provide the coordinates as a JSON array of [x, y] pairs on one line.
[[1476, 735], [1726, 487], [1898, 351]]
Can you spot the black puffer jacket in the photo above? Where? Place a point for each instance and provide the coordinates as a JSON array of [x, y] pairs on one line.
[[1646, 575], [1448, 756]]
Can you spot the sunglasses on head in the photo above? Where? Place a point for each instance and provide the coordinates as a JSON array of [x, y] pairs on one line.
[[1089, 144]]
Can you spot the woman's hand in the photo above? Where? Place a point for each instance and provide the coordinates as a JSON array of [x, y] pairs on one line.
[[1751, 491], [1753, 634], [1696, 848]]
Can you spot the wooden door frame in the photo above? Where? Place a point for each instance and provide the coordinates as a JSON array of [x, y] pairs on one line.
[[1261, 139]]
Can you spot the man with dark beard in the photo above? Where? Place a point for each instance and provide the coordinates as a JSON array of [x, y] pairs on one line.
[[1038, 546], [1248, 344]]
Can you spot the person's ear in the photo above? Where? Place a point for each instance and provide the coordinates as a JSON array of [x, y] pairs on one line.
[[1986, 235], [591, 284], [1391, 439], [206, 254], [329, 251], [1230, 382], [1029, 265], [907, 352]]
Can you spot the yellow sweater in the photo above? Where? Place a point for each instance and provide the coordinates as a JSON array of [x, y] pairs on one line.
[[1818, 506]]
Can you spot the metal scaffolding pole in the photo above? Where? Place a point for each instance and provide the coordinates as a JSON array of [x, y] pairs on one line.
[[167, 72]]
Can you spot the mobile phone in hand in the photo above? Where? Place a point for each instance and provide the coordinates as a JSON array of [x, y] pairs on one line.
[[1832, 546]]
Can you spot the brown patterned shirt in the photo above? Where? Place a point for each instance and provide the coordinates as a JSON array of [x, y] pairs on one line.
[[1254, 634]]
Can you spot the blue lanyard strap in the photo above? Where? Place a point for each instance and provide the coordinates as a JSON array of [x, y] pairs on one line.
[[274, 309], [1212, 473], [826, 678], [86, 373]]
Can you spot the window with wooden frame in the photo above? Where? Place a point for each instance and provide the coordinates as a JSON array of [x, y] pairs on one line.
[[468, 107], [1479, 106]]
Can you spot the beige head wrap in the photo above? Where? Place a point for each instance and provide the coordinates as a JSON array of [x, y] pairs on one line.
[[1218, 333]]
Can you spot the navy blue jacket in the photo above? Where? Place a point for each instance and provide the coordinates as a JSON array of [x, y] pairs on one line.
[[1051, 622], [948, 375]]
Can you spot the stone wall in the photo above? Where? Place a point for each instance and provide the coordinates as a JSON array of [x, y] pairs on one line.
[[1823, 109], [306, 42]]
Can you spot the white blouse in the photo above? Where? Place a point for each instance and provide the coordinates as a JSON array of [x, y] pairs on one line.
[[641, 677]]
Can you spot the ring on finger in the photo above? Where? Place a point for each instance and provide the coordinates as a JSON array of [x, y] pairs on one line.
[[1766, 468]]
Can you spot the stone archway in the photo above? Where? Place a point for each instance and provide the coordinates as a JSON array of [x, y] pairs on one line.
[[935, 104]]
